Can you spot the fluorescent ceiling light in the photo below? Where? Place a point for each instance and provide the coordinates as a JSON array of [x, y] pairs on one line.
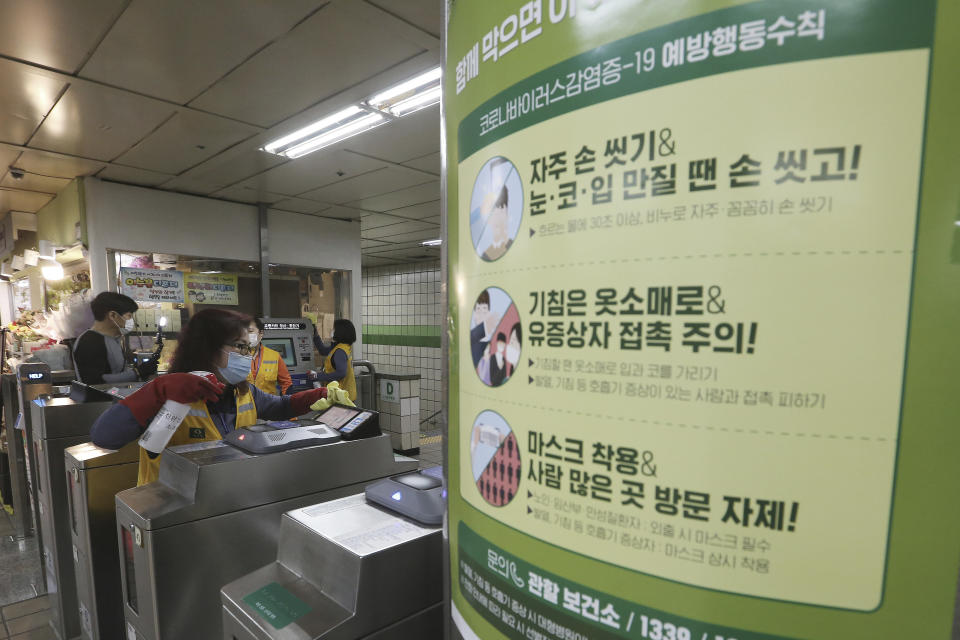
[[342, 132], [432, 243], [52, 270], [18, 264], [324, 132], [31, 257], [6, 269], [411, 95]]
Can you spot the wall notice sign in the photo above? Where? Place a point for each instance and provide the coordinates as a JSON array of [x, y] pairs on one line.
[[152, 285], [685, 260], [211, 288]]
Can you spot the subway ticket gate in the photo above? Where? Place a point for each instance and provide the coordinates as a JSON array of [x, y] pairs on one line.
[[32, 380], [292, 338], [94, 477], [213, 516], [59, 423], [345, 570]]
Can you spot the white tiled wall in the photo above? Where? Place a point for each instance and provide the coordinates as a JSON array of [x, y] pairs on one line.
[[407, 295]]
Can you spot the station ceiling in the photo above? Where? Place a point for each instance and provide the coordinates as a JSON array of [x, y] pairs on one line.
[[180, 95]]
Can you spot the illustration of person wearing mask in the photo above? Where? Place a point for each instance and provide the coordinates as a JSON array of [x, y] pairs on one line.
[[498, 221], [513, 349], [498, 362]]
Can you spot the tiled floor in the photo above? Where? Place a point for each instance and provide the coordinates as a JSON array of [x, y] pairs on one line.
[[20, 572], [26, 620]]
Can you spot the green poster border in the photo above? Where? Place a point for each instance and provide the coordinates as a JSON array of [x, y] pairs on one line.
[[929, 400]]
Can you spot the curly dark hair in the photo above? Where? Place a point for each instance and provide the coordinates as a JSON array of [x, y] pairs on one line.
[[204, 336]]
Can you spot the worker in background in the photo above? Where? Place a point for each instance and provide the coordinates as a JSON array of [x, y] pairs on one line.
[[269, 372], [99, 355], [338, 361], [218, 341]]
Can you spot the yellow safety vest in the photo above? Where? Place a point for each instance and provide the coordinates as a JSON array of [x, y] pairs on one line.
[[198, 426], [348, 383], [264, 377]]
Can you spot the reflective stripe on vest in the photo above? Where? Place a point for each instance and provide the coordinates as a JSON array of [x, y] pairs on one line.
[[264, 371], [198, 426]]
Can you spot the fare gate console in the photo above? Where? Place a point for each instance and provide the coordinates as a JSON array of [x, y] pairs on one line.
[[345, 570], [57, 424], [213, 516]]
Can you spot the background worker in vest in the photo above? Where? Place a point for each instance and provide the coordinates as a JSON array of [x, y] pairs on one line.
[[215, 340], [268, 372], [338, 360]]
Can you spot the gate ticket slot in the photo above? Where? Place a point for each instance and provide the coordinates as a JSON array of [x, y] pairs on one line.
[[351, 422], [269, 437]]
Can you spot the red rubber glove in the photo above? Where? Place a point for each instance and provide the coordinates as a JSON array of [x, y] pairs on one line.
[[179, 387], [300, 402]]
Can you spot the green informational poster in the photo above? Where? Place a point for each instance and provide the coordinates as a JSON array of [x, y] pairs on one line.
[[705, 299]]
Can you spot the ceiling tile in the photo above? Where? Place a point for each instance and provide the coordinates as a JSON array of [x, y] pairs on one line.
[[410, 137], [374, 220], [55, 164], [418, 211], [366, 243], [401, 198], [185, 140], [395, 229], [12, 199], [26, 95], [341, 213], [366, 186], [132, 175], [430, 162], [300, 205], [98, 122], [8, 157], [55, 33], [33, 182], [176, 49], [313, 171], [276, 83], [424, 14], [235, 165], [417, 236]]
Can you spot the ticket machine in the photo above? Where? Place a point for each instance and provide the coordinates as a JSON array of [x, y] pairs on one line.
[[292, 338], [349, 569], [214, 515]]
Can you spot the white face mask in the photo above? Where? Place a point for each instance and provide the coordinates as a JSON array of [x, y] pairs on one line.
[[513, 355], [254, 338], [128, 325]]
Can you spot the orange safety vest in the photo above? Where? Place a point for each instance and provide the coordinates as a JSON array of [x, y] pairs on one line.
[[349, 382], [198, 426], [264, 370]]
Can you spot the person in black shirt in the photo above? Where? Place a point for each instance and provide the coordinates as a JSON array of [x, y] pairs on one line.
[[98, 355]]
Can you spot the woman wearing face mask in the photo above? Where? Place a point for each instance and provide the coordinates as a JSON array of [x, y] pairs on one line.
[[215, 340], [338, 363], [513, 349], [99, 356], [268, 372]]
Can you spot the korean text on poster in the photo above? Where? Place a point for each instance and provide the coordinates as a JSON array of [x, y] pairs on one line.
[[152, 285], [212, 288]]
